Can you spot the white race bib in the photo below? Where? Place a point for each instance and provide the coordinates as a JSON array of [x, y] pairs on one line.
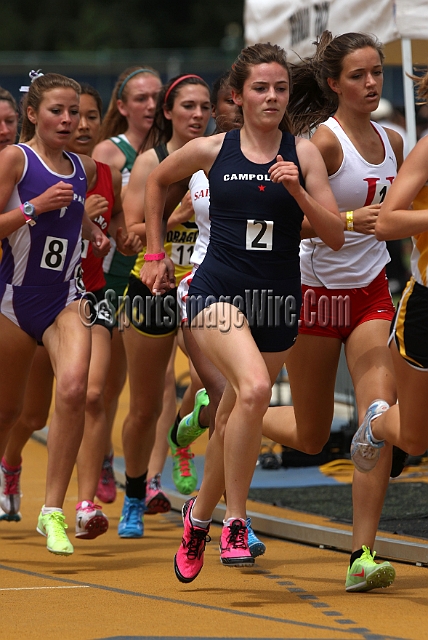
[[181, 253], [54, 253], [259, 235]]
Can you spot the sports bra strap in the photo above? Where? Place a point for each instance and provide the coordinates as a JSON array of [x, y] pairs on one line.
[[161, 151]]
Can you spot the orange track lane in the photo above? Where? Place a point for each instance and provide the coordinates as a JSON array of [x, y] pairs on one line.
[[113, 588]]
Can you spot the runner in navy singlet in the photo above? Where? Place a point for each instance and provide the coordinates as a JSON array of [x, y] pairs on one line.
[[260, 255], [190, 427]]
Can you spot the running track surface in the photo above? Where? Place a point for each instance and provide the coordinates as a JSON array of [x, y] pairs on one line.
[[113, 588]]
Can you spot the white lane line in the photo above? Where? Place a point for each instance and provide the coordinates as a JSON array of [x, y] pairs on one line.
[[83, 586]]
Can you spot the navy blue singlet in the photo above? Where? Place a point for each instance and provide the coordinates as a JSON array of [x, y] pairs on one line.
[[252, 259]]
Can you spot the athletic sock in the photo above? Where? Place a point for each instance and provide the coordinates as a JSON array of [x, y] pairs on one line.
[[8, 467], [173, 432], [202, 426], [136, 487], [202, 524], [355, 555], [370, 435], [229, 521], [46, 510]]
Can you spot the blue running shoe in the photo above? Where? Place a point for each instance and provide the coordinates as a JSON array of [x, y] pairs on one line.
[[256, 546], [131, 523]]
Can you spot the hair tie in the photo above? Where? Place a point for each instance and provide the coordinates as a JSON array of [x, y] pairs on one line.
[[33, 76], [131, 75], [176, 82]]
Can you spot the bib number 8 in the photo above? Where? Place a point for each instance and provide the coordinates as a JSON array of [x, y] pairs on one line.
[[259, 235], [54, 253]]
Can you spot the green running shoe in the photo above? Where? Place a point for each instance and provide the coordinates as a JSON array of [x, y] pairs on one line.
[[189, 428], [53, 526], [366, 574], [184, 471]]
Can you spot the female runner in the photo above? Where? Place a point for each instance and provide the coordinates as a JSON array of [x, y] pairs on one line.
[[186, 430], [261, 183], [404, 213], [346, 299], [124, 131], [182, 114], [104, 207], [8, 118], [42, 196]]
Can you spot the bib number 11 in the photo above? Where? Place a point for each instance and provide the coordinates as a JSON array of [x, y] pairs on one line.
[[259, 235]]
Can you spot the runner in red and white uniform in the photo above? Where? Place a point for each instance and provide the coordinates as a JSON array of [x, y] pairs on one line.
[[346, 299]]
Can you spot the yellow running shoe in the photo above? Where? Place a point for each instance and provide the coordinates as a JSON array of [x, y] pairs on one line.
[[53, 526], [366, 574]]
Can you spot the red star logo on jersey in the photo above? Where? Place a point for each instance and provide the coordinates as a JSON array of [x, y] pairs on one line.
[[262, 187]]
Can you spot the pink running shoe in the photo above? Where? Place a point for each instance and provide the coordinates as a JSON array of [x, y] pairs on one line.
[[156, 500], [10, 493], [189, 559], [91, 522], [234, 550], [106, 490]]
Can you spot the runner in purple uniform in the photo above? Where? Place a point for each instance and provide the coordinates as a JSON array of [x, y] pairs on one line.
[[42, 196]]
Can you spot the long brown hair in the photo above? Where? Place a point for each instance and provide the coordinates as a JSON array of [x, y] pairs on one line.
[[422, 87], [6, 96], [114, 123], [162, 129], [89, 90], [261, 53], [312, 100], [34, 97]]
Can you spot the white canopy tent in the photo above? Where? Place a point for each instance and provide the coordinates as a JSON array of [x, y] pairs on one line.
[[295, 24]]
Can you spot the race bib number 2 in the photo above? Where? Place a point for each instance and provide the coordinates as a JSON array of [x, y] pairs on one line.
[[259, 235], [54, 253]]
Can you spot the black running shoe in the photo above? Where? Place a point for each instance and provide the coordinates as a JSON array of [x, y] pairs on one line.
[[399, 460]]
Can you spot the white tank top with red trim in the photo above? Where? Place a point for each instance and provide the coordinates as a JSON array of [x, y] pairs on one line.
[[200, 193], [357, 183]]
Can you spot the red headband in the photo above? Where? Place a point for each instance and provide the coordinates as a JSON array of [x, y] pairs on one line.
[[176, 82]]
